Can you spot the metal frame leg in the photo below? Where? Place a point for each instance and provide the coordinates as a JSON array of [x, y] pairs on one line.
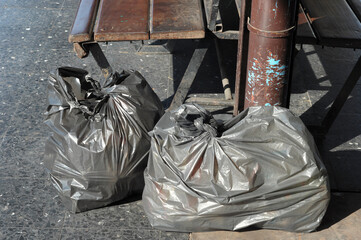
[[342, 97], [241, 69], [100, 58], [190, 73]]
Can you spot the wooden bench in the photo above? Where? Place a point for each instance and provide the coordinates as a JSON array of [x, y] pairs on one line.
[[131, 20], [334, 23], [121, 20]]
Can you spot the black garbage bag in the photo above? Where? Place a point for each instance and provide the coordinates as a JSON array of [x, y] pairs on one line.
[[261, 168], [100, 143]]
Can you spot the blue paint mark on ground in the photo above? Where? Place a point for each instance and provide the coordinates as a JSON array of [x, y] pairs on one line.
[[268, 105]]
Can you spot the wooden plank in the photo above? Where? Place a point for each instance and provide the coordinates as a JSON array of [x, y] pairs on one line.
[[208, 101], [122, 20], [305, 33], [82, 29], [334, 22], [174, 19], [356, 7]]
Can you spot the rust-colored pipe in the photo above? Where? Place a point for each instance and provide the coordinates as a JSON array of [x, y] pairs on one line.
[[269, 54]]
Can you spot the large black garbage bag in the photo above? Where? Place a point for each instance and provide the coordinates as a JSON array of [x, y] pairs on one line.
[[100, 143], [260, 168]]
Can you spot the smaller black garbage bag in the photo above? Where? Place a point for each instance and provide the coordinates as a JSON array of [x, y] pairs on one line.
[[261, 168], [100, 143]]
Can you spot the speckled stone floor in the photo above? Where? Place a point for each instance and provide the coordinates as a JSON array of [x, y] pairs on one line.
[[33, 41]]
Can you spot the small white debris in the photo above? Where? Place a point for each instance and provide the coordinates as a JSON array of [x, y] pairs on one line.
[[101, 222], [46, 214], [12, 214], [141, 60], [59, 220], [39, 45], [27, 29], [50, 36], [66, 31], [22, 37], [45, 60], [12, 57]]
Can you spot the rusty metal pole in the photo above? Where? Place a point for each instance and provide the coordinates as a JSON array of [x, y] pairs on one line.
[[269, 54]]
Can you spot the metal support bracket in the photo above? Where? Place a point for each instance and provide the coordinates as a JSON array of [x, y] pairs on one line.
[[100, 58], [342, 96]]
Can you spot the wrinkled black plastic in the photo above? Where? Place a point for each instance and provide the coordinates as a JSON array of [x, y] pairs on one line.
[[100, 143], [260, 168]]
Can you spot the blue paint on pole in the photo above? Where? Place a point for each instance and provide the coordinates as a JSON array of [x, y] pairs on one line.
[[275, 10], [273, 61], [267, 81], [268, 105], [268, 75]]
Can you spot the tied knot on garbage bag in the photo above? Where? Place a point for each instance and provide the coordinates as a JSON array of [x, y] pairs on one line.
[[260, 168], [100, 143], [80, 91], [191, 120]]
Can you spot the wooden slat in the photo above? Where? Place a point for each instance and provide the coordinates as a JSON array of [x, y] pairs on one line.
[[175, 19], [304, 31], [356, 7], [82, 29], [122, 20], [334, 22]]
